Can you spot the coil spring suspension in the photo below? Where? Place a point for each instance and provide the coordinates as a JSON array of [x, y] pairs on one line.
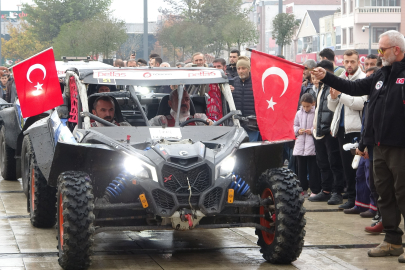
[[117, 186], [241, 187]]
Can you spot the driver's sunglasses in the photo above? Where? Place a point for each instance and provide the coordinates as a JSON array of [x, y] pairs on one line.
[[382, 50]]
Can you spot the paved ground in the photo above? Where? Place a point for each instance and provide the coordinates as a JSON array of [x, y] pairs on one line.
[[333, 241]]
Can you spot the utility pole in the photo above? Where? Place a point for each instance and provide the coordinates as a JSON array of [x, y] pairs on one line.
[[145, 30], [369, 38], [280, 10]]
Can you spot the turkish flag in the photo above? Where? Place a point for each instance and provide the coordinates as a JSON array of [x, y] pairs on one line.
[[37, 84], [276, 89]]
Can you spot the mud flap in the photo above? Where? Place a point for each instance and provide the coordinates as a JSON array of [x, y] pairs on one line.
[[98, 160], [42, 141], [253, 160]]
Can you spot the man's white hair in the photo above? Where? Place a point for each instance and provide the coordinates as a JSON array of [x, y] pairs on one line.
[[165, 64], [396, 39]]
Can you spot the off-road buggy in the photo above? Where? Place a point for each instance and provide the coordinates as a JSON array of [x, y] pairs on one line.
[[120, 178], [12, 127]]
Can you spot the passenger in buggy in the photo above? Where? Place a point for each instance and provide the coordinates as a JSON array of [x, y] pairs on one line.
[[170, 119]]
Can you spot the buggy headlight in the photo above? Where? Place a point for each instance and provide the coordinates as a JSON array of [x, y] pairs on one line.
[[226, 166], [139, 168]]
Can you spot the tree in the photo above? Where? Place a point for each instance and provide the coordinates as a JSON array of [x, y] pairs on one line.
[[48, 16], [106, 34], [22, 43], [284, 26], [205, 22], [71, 41], [99, 34], [133, 43], [239, 30]]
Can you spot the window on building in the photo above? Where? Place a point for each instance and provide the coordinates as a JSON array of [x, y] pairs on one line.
[[351, 6], [344, 36], [328, 39], [377, 31], [338, 33], [350, 35], [299, 45], [382, 3], [315, 44], [344, 7]]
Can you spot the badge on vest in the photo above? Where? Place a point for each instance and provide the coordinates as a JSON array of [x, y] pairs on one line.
[[379, 85], [400, 80]]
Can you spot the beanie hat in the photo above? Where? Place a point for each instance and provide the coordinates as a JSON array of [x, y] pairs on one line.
[[243, 61]]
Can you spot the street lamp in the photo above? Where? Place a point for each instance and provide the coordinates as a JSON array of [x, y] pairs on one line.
[[145, 30], [369, 36]]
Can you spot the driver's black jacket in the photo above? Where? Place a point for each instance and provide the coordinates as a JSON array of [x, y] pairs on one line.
[[385, 123], [243, 96]]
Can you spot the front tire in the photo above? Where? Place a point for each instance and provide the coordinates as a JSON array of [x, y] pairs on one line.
[[285, 216], [75, 203], [8, 162]]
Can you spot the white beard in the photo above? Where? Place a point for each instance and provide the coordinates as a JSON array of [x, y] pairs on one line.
[[388, 61], [182, 116]]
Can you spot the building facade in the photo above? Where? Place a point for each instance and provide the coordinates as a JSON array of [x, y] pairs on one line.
[[266, 11]]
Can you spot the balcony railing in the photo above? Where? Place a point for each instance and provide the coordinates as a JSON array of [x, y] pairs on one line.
[[378, 10]]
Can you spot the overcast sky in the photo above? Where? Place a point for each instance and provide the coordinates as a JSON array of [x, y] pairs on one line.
[[130, 11]]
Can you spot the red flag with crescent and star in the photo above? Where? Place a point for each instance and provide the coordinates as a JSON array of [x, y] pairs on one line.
[[37, 84], [276, 89]]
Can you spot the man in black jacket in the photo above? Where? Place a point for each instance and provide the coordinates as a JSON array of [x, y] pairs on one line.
[[243, 94], [231, 69], [327, 148], [385, 128]]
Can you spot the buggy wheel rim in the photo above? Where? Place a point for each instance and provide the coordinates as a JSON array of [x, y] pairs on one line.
[[60, 217], [32, 207], [267, 237]]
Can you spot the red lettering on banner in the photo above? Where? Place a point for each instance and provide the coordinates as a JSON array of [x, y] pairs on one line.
[[73, 100], [202, 74], [400, 80], [114, 74]]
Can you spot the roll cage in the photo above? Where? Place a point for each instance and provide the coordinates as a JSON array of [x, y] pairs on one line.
[[143, 77]]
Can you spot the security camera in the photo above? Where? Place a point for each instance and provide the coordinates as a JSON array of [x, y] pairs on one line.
[[363, 29]]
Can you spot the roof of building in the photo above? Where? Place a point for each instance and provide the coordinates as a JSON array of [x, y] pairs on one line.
[[315, 15]]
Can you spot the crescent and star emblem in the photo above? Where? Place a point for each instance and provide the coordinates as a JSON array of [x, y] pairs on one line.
[[38, 86], [279, 72]]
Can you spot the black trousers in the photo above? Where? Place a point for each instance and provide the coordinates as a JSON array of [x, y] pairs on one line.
[[389, 179], [347, 159], [307, 164], [371, 184], [330, 164]]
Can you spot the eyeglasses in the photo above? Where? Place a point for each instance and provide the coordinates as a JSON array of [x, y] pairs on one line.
[[382, 50]]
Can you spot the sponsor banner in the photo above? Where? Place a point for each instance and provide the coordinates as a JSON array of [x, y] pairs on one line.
[[61, 66], [156, 74]]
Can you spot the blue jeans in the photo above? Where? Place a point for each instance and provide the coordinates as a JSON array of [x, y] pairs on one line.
[[253, 135]]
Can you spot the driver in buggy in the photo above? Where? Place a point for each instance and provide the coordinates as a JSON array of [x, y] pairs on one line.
[[104, 107], [169, 120]]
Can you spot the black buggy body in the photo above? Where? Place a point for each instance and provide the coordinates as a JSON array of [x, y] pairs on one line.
[[118, 178]]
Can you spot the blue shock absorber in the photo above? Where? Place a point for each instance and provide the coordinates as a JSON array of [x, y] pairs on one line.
[[117, 186], [240, 186]]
